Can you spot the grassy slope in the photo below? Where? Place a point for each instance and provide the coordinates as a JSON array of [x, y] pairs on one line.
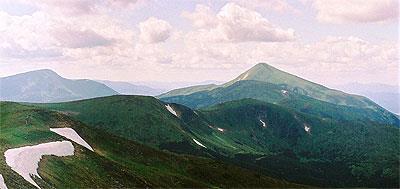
[[334, 153], [314, 157], [116, 162], [139, 118]]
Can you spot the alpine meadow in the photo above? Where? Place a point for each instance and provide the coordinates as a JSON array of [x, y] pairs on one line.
[[199, 94]]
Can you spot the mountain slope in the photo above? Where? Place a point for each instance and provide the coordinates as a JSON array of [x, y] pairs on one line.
[[127, 88], [115, 162], [188, 90], [266, 73], [306, 149], [268, 84], [268, 138], [138, 118], [47, 86], [277, 94]]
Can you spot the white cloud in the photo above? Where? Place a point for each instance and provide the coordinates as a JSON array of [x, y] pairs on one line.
[[241, 24], [154, 30], [80, 39], [280, 6], [234, 23], [80, 7], [202, 17], [356, 11], [44, 35]]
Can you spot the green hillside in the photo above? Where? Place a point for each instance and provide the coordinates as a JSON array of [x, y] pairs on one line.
[[115, 162], [280, 95], [266, 83], [140, 118], [307, 149], [299, 147]]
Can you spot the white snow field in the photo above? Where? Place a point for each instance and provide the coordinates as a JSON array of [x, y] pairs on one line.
[[2, 183], [71, 134], [25, 160], [170, 109], [198, 143]]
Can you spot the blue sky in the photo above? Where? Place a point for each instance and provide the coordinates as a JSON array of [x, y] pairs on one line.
[[326, 41]]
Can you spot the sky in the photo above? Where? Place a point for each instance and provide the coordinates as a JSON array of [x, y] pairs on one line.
[[327, 41]]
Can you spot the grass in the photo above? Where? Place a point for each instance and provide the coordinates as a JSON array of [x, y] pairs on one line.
[[116, 162]]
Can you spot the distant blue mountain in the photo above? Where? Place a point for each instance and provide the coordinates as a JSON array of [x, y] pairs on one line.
[[131, 89], [388, 96], [47, 86]]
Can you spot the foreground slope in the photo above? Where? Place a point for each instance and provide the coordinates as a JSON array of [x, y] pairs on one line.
[[47, 86], [140, 118], [271, 139], [115, 161]]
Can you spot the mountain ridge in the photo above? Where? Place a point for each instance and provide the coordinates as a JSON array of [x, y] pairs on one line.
[[46, 85]]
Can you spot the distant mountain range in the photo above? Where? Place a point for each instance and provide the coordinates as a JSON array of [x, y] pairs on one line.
[[131, 89], [388, 96], [47, 86]]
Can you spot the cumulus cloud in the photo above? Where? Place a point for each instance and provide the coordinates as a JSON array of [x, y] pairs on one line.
[[154, 30], [356, 11], [44, 35], [202, 17], [234, 23]]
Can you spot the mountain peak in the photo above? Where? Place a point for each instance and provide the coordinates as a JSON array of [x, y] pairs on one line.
[[262, 68], [261, 72], [266, 73], [261, 65], [44, 71]]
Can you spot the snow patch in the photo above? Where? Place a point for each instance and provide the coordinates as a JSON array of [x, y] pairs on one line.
[[2, 183], [307, 128], [263, 123], [25, 160], [70, 133], [220, 129], [198, 143], [170, 109]]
